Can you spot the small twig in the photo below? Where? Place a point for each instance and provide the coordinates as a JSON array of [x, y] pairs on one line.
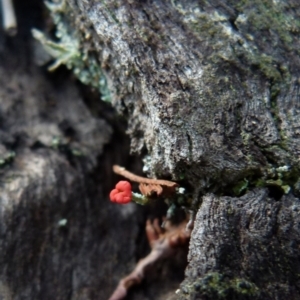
[[123, 172], [163, 244], [9, 17]]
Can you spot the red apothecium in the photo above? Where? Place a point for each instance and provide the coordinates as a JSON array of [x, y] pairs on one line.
[[122, 193]]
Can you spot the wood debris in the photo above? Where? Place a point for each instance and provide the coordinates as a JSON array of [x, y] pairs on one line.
[[163, 242], [149, 187]]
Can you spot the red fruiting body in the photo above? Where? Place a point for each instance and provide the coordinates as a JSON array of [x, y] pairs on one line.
[[122, 193], [123, 186]]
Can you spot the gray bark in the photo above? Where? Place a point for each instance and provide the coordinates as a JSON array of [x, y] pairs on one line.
[[60, 237], [244, 248], [210, 91], [47, 184]]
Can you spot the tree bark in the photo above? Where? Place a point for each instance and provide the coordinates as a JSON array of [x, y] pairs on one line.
[[244, 248], [210, 89], [210, 92], [60, 237]]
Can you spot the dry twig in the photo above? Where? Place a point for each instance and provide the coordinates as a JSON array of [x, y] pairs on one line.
[[148, 187], [163, 243]]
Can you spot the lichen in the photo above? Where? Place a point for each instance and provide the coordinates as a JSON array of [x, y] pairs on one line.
[[284, 178], [70, 50], [64, 146], [7, 159]]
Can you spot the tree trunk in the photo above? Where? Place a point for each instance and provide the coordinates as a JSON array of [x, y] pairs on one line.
[[244, 248], [210, 92], [210, 89]]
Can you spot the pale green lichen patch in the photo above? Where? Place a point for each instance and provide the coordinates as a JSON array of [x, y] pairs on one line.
[[71, 50]]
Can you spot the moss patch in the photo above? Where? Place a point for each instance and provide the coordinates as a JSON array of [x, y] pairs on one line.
[[217, 286]]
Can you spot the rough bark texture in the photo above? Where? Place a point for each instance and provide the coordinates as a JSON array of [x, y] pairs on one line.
[[60, 238], [48, 183], [244, 248], [211, 93], [210, 87]]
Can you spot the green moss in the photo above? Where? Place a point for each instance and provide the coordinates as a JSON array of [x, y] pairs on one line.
[[240, 187], [283, 177], [279, 183], [266, 65], [244, 287], [246, 137], [218, 286], [261, 18], [265, 15]]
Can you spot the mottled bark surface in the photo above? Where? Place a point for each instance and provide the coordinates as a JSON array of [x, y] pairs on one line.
[[60, 237], [52, 211], [244, 248], [210, 90]]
